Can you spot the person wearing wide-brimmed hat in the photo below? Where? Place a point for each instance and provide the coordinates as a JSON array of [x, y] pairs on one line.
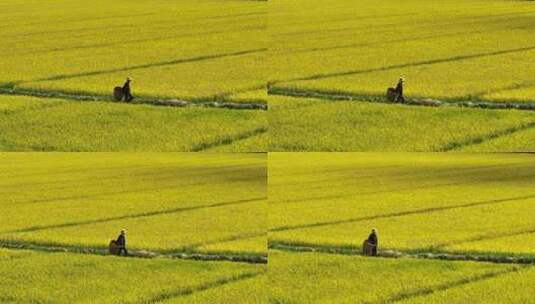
[[399, 90], [127, 92], [373, 240], [121, 243]]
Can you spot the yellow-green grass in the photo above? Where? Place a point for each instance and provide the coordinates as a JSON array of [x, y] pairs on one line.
[[256, 143], [324, 278], [307, 124], [72, 278], [248, 291], [519, 141], [30, 123], [477, 203], [186, 50], [512, 288], [455, 50], [169, 202]]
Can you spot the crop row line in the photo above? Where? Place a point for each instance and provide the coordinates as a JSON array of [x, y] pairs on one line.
[[455, 58], [455, 145], [377, 98], [402, 213], [146, 254], [390, 253], [400, 177], [206, 286], [229, 139], [135, 216], [424, 291], [209, 102]]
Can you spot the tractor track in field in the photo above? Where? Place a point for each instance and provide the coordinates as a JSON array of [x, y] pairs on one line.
[[137, 215], [167, 295], [389, 253], [475, 140], [404, 213], [223, 103], [229, 139], [424, 102], [425, 291], [145, 254]]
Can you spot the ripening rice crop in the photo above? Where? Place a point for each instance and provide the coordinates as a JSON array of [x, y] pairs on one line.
[[462, 203], [73, 278], [308, 124], [171, 202], [30, 124], [327, 278], [454, 50], [177, 50]]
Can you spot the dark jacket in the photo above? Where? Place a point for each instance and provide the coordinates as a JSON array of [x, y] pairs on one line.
[[126, 87], [372, 239], [121, 241], [399, 88]]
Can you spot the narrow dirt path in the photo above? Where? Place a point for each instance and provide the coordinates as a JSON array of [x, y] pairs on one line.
[[388, 253], [199, 256], [208, 103], [426, 102]]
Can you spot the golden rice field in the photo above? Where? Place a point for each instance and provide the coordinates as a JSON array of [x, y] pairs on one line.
[[328, 278], [454, 51], [201, 52], [74, 278], [468, 208], [54, 206]]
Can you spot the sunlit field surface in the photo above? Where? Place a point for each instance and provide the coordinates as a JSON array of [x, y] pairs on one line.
[[171, 49], [193, 51], [455, 203], [475, 52], [454, 50], [325, 278], [308, 124], [34, 124], [73, 278], [173, 202]]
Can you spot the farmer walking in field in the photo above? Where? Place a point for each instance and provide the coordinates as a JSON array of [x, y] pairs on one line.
[[373, 240], [399, 90], [121, 243], [127, 93]]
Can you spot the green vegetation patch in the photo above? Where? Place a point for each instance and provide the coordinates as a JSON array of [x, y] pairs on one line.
[[73, 278], [325, 278], [30, 124], [305, 124], [455, 50], [169, 202], [462, 203]]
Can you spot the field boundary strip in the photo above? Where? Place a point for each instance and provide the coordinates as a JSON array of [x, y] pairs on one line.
[[456, 58], [134, 216], [167, 295], [209, 102], [424, 291], [228, 139], [145, 254], [470, 141], [390, 253], [425, 102], [403, 213]]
